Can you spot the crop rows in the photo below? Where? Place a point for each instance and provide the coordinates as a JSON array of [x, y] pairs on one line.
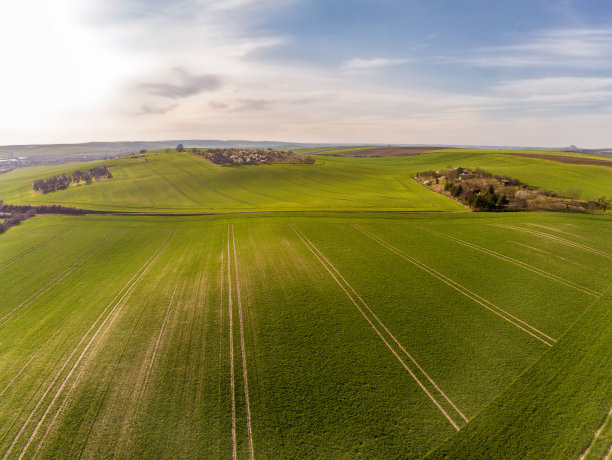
[[279, 337]]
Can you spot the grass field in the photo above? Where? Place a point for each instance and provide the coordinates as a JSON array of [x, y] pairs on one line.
[[305, 335], [184, 183]]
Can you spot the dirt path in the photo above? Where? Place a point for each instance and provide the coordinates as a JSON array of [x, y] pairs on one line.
[[107, 313], [518, 263], [346, 287], [564, 159], [388, 151], [522, 325], [243, 349]]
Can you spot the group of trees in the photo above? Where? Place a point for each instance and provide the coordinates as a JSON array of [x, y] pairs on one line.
[[487, 201], [483, 191], [15, 214], [64, 180], [15, 218]]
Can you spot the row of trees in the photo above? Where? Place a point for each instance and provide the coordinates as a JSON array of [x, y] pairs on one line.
[[64, 180]]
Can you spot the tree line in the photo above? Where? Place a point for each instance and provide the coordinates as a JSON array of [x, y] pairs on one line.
[[15, 214], [63, 181]]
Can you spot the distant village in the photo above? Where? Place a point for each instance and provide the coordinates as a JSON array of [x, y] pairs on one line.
[[240, 156], [8, 164]]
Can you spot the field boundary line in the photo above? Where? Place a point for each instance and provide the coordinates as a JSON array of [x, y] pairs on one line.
[[312, 249], [106, 314], [35, 247], [43, 290], [558, 239], [517, 262], [243, 349], [463, 290], [231, 344]]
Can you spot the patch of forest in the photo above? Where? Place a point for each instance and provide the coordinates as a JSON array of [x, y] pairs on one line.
[[63, 181], [483, 191], [13, 215], [240, 156]]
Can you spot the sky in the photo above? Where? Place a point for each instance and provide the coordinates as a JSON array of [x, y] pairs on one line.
[[464, 72]]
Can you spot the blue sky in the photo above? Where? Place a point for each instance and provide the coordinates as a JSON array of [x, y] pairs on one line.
[[515, 72]]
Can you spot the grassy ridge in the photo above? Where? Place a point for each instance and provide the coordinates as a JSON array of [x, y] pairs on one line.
[[184, 183], [155, 380], [181, 182]]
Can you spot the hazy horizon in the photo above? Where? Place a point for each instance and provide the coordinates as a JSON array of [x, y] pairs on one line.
[[526, 73]]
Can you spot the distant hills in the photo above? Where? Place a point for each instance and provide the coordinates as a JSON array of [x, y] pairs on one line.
[[54, 153]]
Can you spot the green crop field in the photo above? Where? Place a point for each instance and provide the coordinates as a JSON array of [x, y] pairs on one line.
[[304, 334], [185, 183]]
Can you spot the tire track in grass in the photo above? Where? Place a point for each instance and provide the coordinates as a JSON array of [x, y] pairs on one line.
[[557, 239], [516, 262], [243, 349], [147, 196], [569, 261], [596, 436], [170, 184], [231, 345], [557, 230], [111, 310], [104, 394], [221, 329], [43, 290], [522, 325], [44, 345], [35, 247], [346, 287], [155, 350], [102, 188]]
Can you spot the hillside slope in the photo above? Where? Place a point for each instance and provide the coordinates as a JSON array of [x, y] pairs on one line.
[[182, 182]]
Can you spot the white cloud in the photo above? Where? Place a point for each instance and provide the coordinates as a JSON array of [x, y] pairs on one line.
[[554, 86], [368, 64], [74, 79], [568, 48]]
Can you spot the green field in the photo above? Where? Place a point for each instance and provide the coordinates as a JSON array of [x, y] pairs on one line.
[[185, 183], [122, 334], [303, 334]]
